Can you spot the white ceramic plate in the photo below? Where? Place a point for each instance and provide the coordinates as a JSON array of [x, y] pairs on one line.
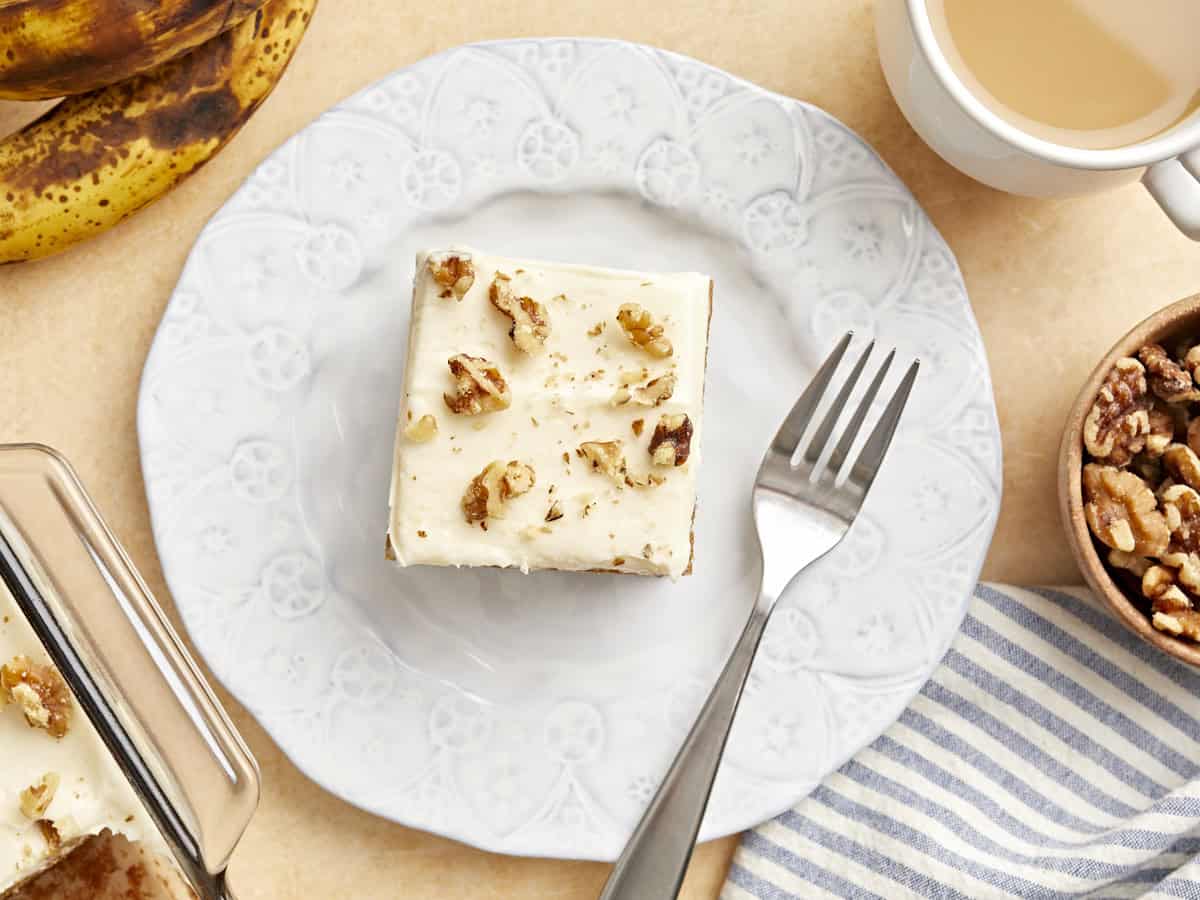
[[535, 714]]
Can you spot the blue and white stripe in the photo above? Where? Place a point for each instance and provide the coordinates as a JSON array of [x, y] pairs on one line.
[[1052, 754]]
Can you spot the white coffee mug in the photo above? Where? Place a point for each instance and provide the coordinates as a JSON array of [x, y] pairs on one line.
[[973, 139]]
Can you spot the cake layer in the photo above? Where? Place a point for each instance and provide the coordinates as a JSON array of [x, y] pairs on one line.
[[54, 791], [551, 416], [107, 867]]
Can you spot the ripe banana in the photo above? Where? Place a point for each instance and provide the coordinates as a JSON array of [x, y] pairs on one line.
[[54, 48], [98, 158]]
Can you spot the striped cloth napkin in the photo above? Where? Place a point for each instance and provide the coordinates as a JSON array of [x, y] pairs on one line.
[[1052, 754]]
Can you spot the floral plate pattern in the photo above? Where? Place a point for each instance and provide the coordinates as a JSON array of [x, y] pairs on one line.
[[536, 714]]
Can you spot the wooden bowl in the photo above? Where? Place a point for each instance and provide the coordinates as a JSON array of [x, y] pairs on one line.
[[1178, 318]]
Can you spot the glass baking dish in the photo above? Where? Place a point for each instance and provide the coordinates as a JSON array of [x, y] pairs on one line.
[[126, 666]]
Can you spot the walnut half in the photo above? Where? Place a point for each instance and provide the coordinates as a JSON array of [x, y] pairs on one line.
[[1168, 380], [1122, 511], [454, 274], [479, 386], [40, 692], [490, 489], [1181, 507], [639, 327], [1160, 586], [1183, 464], [1116, 426], [1171, 608], [671, 443], [530, 325]]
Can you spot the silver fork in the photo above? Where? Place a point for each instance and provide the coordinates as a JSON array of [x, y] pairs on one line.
[[802, 510]]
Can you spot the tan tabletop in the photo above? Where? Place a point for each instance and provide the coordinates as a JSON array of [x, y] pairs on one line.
[[1053, 283]]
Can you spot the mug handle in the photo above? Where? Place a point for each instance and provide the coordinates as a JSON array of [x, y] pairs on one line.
[[1175, 184]]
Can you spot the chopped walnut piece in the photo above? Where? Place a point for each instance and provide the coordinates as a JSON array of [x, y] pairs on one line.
[[453, 273], [555, 512], [530, 327], [1122, 512], [671, 443], [649, 479], [638, 425], [490, 489], [639, 327], [1130, 562], [606, 457], [1167, 379], [653, 393], [1183, 464], [36, 798], [41, 694], [479, 386], [596, 329], [422, 430], [1116, 426]]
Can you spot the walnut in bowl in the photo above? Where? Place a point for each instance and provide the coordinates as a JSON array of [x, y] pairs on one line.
[[1129, 480]]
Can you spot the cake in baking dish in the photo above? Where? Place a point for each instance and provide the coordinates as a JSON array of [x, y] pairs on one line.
[[551, 416], [59, 786]]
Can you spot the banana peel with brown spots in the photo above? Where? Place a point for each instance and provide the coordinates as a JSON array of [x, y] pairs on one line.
[[97, 158], [55, 48]]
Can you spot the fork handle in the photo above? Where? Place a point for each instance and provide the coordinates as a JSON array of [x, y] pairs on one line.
[[655, 860]]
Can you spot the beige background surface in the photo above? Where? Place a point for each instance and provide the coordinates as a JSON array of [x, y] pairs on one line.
[[1053, 284]]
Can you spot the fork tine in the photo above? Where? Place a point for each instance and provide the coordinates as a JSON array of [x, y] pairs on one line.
[[852, 428], [817, 445], [868, 462], [789, 434]]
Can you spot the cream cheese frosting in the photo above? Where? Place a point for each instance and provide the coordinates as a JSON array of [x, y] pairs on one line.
[[91, 794], [585, 382]]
